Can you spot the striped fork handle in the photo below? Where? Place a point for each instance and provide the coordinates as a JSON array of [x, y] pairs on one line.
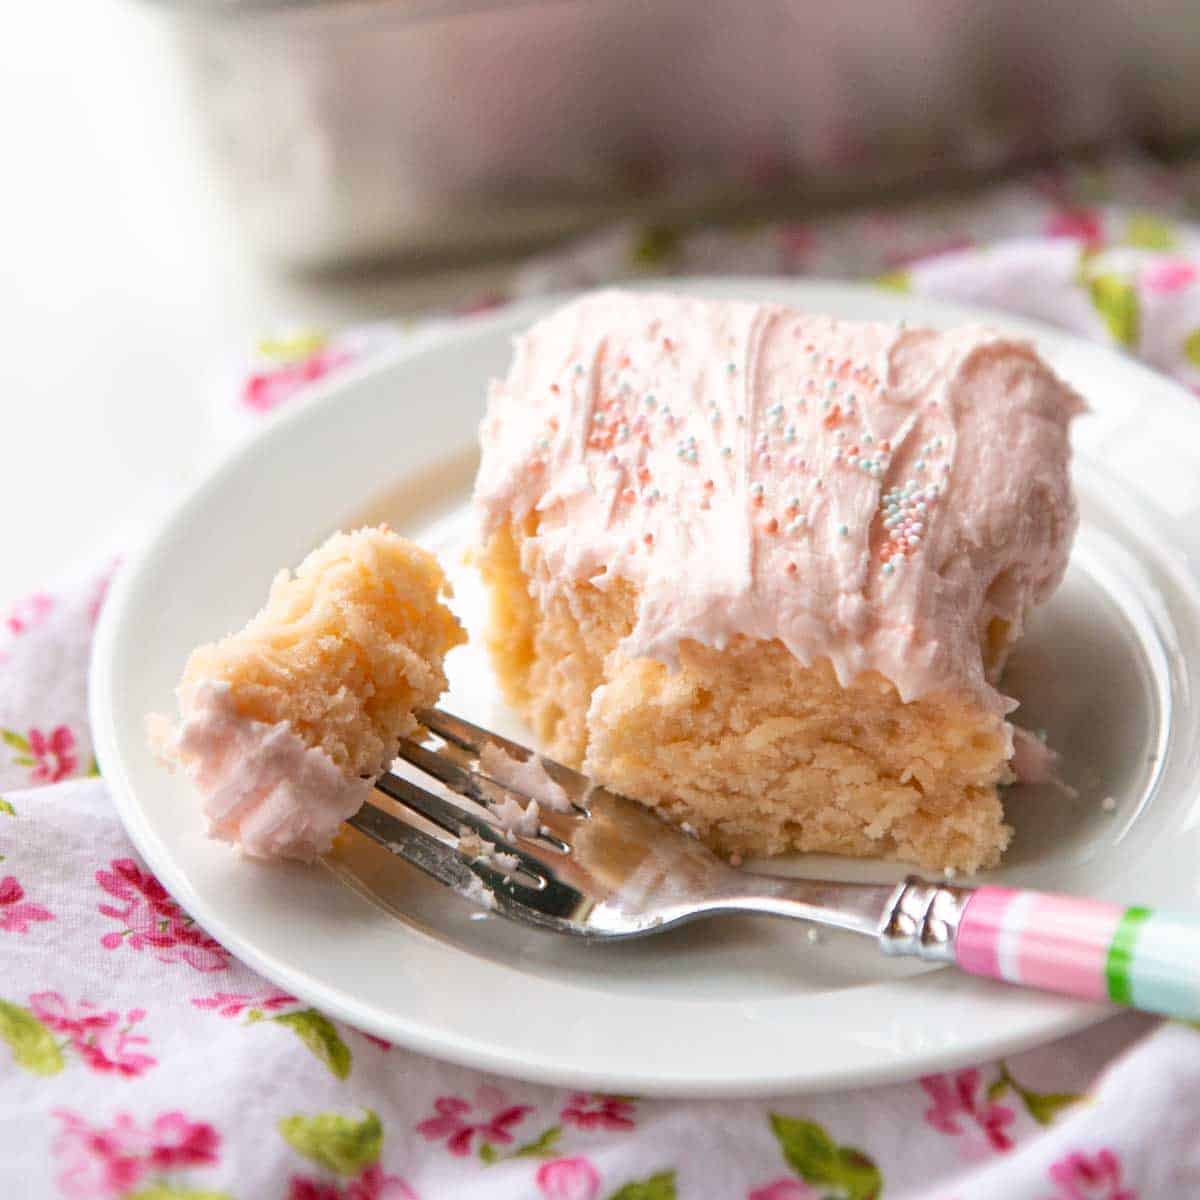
[[1086, 948]]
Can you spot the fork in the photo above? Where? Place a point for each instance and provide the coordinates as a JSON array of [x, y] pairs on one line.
[[605, 867]]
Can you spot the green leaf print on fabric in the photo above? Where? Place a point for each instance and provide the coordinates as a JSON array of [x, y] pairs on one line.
[[819, 1160], [1115, 299], [294, 348], [542, 1146], [316, 1031], [657, 1187], [895, 281], [342, 1144], [1191, 347], [24, 751], [1083, 268], [165, 1191], [32, 1044], [1148, 232], [6, 808], [1043, 1107], [655, 246]]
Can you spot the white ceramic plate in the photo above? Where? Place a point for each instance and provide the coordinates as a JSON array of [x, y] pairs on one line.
[[1110, 668]]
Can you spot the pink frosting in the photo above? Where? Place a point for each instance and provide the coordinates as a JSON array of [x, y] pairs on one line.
[[867, 493], [264, 789]]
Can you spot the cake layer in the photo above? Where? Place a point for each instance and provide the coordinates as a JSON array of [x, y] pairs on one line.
[[891, 500], [754, 752]]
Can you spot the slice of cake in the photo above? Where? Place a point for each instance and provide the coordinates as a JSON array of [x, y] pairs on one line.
[[761, 569], [284, 725]]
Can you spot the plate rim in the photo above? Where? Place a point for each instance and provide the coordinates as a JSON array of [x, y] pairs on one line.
[[458, 1046]]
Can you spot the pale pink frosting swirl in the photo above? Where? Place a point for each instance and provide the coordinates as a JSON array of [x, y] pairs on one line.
[[264, 789], [867, 493]]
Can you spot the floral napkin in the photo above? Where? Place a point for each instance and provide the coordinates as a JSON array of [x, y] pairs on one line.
[[138, 1058]]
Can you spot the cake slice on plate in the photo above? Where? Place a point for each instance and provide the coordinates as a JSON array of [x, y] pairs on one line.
[[285, 724], [762, 569]]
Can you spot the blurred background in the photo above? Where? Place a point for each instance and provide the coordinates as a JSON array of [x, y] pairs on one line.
[[182, 176]]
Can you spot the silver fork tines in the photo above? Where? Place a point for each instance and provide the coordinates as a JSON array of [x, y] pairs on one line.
[[469, 741], [606, 868], [475, 878]]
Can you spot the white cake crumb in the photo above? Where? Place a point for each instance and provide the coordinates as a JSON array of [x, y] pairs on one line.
[[472, 845], [508, 863], [814, 935], [516, 819], [1108, 804], [475, 847], [529, 777], [476, 891]]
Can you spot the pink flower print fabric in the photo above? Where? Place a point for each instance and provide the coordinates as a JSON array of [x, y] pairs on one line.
[[593, 1111], [372, 1184], [960, 1109], [266, 389], [28, 613], [16, 913], [48, 756], [105, 1040], [153, 921], [568, 1179], [1097, 1176], [460, 1123], [234, 1004], [1168, 276], [111, 1161], [784, 1189], [54, 754]]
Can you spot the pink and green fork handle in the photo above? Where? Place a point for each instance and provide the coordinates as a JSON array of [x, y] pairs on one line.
[[1085, 948]]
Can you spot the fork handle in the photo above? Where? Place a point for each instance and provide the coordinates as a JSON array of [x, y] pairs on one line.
[[1086, 948]]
